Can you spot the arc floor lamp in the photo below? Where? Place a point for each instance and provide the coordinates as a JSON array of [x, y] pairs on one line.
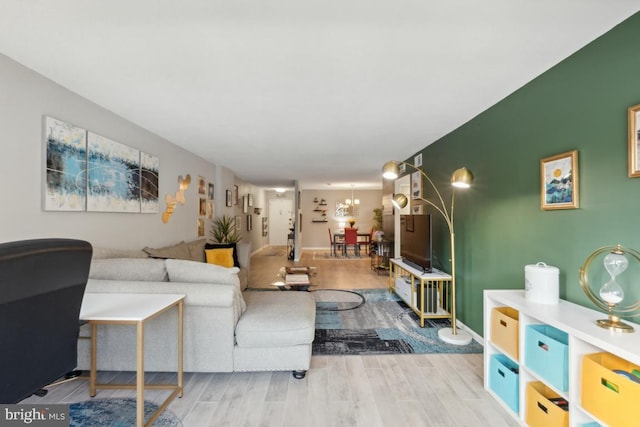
[[461, 178]]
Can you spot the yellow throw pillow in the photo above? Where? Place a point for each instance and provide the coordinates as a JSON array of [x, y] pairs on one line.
[[222, 257]]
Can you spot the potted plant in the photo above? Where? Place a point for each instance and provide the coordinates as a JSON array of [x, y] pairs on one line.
[[224, 230]]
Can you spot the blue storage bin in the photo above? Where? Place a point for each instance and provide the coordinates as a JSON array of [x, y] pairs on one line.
[[504, 379], [546, 353]]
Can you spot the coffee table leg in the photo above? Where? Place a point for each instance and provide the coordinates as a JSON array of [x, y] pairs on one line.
[[140, 376], [180, 346], [92, 372]]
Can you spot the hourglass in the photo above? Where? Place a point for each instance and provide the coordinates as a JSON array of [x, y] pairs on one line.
[[610, 295]]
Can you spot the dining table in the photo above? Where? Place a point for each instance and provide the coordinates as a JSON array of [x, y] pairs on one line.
[[364, 238]]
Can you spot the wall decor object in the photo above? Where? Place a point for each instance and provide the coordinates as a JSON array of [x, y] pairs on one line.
[[210, 193], [342, 209], [172, 201], [250, 197], [149, 183], [559, 181], [202, 207], [88, 172], [202, 186], [417, 160], [235, 194], [113, 176], [228, 194], [200, 227], [634, 141], [249, 223], [416, 185], [265, 226], [210, 208], [245, 204], [416, 208], [238, 223], [65, 186]]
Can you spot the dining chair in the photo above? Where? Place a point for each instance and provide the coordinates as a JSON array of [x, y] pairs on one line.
[[334, 244], [351, 239], [366, 243]]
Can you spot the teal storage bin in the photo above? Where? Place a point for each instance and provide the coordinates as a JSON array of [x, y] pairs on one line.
[[546, 352], [504, 378], [593, 424]]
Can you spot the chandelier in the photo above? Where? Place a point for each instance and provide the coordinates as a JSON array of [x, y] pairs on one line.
[[351, 203]]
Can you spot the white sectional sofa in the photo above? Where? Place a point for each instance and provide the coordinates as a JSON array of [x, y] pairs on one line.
[[226, 328]]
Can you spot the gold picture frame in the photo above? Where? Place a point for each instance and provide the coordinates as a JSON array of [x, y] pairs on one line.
[[634, 141], [559, 181]]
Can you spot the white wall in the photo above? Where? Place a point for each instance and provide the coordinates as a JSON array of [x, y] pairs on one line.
[[25, 98]]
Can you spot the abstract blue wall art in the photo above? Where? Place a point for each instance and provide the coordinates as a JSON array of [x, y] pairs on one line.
[[149, 170], [113, 176], [66, 156]]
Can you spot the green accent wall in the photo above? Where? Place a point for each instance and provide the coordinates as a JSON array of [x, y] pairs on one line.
[[579, 104]]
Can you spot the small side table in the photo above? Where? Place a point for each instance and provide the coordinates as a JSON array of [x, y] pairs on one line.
[[380, 255], [133, 309]]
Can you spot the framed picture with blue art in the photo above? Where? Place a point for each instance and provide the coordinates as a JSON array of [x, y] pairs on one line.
[[66, 166], [559, 181], [113, 176]]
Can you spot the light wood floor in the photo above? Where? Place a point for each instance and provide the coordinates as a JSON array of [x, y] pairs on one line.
[[390, 390], [330, 273]]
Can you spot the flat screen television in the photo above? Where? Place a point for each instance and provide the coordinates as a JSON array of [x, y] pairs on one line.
[[415, 241]]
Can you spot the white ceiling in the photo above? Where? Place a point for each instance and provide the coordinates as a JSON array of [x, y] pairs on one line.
[[322, 91]]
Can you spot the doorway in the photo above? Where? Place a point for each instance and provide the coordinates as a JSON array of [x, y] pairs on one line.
[[280, 218]]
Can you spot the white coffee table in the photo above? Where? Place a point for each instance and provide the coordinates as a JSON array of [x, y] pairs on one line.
[[133, 309]]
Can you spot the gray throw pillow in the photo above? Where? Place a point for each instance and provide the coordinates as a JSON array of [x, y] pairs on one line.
[[177, 251]]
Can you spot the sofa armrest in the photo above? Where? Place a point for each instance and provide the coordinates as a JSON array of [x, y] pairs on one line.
[[197, 294]]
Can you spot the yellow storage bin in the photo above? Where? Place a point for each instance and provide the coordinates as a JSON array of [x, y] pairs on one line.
[[609, 396], [542, 412], [504, 329]]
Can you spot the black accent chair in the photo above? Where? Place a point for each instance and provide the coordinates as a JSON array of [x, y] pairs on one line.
[[42, 283]]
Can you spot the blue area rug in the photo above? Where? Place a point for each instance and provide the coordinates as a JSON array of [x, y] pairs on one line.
[[116, 413], [384, 324]]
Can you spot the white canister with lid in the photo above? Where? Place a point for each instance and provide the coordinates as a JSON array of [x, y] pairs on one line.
[[541, 283]]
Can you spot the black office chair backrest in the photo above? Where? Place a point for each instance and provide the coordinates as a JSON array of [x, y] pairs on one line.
[[42, 283]]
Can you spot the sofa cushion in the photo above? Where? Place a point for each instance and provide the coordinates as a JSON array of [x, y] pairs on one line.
[[196, 250], [236, 263], [177, 251], [101, 253], [221, 257], [276, 319], [140, 269], [198, 272], [243, 250]]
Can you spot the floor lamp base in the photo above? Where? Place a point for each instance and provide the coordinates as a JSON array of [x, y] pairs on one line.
[[460, 338]]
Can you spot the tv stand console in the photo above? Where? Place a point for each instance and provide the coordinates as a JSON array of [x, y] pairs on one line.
[[427, 294]]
